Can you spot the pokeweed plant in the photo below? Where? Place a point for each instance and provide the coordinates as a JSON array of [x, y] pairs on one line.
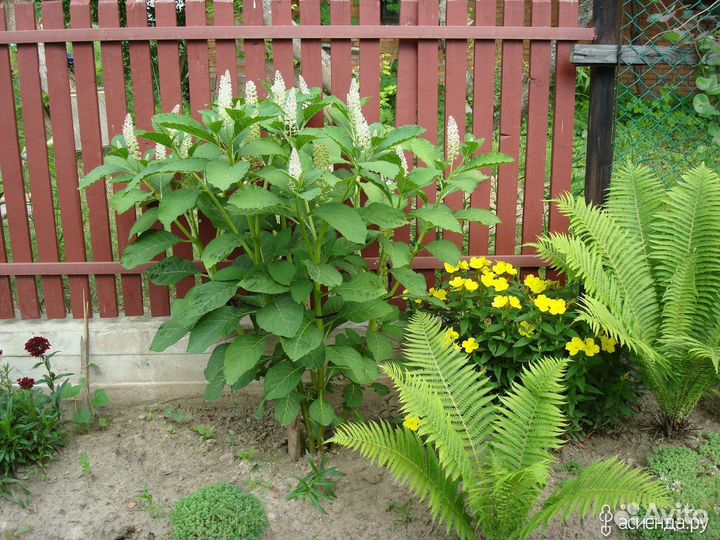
[[650, 266], [483, 463], [295, 186]]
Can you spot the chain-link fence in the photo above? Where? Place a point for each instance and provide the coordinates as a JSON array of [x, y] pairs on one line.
[[657, 123]]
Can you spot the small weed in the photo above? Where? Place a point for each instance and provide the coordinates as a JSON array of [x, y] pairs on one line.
[[246, 455], [85, 464], [403, 514], [231, 439], [573, 467], [147, 503], [14, 490], [253, 484], [19, 532], [319, 485], [177, 416], [206, 432], [171, 430]]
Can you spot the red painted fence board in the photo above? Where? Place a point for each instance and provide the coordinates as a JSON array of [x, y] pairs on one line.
[[283, 48], [341, 50]]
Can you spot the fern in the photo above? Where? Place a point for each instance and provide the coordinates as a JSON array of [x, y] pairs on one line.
[[481, 464], [650, 264]]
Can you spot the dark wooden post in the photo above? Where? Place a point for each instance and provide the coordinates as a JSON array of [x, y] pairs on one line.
[[601, 120]]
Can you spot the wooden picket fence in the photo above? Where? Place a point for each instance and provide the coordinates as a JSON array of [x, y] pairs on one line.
[[49, 266]]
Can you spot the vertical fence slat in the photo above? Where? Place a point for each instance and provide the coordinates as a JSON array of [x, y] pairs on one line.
[[340, 50], [485, 55], [311, 49], [283, 60], [66, 171], [37, 162], [407, 82], [116, 109], [370, 62], [255, 68], [564, 117], [510, 112], [225, 50], [456, 90], [11, 165], [7, 306], [144, 105], [170, 96], [537, 131], [92, 154]]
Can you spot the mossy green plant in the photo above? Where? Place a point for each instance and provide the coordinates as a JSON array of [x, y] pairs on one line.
[[220, 512]]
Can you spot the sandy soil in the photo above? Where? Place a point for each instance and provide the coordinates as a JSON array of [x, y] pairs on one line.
[[141, 448]]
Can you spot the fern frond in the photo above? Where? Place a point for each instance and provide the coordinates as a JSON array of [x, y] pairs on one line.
[[413, 464], [530, 421], [611, 482], [680, 301], [636, 195], [420, 400], [688, 228], [465, 393], [623, 257]]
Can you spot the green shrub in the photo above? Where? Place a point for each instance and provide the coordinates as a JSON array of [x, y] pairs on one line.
[[220, 512]]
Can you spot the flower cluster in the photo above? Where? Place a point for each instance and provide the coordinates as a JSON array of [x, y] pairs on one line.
[[37, 346], [554, 306], [412, 423], [360, 125], [589, 347], [510, 301], [26, 383], [131, 142]]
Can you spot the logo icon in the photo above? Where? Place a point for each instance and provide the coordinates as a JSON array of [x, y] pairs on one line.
[[606, 517]]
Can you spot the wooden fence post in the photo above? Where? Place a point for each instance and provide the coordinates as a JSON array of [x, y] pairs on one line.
[[602, 107]]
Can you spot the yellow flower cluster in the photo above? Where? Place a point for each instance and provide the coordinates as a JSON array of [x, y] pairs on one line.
[[535, 284], [589, 346], [510, 301], [438, 293], [468, 284], [470, 345], [551, 305], [491, 279], [475, 263], [504, 268], [412, 423], [526, 329]]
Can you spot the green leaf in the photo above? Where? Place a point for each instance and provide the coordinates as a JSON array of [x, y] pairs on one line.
[[412, 281], [385, 168], [258, 280], [439, 216], [445, 251], [83, 416], [379, 345], [176, 203], [242, 355], [222, 175], [146, 247], [423, 177], [309, 338], [219, 248], [361, 287], [281, 317], [71, 391], [100, 399], [183, 123], [322, 412], [467, 181], [169, 333], [359, 312], [254, 198], [399, 135], [214, 373], [359, 368], [124, 200], [214, 326], [383, 216], [399, 252], [147, 219], [300, 290], [262, 147], [208, 296], [478, 215], [424, 150], [98, 173], [345, 220], [352, 395], [281, 379], [282, 271], [171, 270], [287, 409], [324, 274]]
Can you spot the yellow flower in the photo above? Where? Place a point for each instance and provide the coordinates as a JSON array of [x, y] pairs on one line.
[[488, 279], [470, 345], [412, 423], [464, 265], [450, 269], [500, 301], [526, 329], [608, 344], [558, 307], [418, 301], [504, 268], [405, 291], [501, 284], [591, 348], [439, 294], [452, 334], [535, 284], [514, 302], [457, 347], [471, 285], [542, 302], [479, 262], [457, 282], [575, 345]]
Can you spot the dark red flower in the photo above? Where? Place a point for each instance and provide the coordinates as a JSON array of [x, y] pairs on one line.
[[37, 346], [26, 383]]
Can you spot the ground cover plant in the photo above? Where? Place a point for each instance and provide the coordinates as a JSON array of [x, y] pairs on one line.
[[503, 320], [650, 267], [296, 186], [481, 463]]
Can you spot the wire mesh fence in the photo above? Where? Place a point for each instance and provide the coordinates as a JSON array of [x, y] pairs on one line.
[[657, 123]]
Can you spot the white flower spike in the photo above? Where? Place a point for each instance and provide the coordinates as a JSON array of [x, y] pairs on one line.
[[453, 139], [131, 141]]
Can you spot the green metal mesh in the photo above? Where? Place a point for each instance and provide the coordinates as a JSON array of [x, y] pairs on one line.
[[656, 123]]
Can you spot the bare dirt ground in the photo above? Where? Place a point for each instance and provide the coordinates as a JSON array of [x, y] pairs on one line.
[[141, 448]]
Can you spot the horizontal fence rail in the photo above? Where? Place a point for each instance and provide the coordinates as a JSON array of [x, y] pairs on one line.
[[68, 78]]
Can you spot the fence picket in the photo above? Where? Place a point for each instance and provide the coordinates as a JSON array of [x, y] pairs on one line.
[[255, 68], [340, 50], [311, 49], [225, 49], [283, 60], [370, 62]]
